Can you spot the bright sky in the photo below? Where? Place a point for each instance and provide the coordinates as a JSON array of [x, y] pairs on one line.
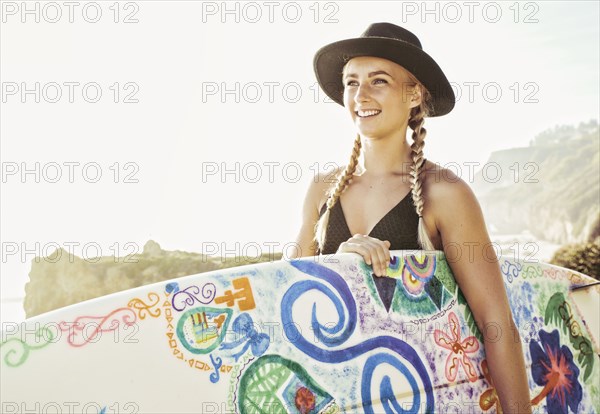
[[182, 62]]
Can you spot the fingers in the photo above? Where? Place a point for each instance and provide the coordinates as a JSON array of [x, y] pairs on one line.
[[380, 256], [375, 252]]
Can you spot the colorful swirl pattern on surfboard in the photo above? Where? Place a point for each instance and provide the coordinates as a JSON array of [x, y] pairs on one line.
[[309, 336]]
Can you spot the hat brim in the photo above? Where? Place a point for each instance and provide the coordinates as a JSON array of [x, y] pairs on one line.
[[329, 62]]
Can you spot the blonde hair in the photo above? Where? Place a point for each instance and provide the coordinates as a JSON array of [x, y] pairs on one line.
[[415, 122]]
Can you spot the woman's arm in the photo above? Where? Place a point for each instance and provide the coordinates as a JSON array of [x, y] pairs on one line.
[[470, 254]]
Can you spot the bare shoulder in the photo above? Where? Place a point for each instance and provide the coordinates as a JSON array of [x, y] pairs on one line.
[[449, 198], [322, 184], [443, 183], [315, 198]]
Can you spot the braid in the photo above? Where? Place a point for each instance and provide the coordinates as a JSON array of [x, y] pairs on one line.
[[415, 123], [335, 193]]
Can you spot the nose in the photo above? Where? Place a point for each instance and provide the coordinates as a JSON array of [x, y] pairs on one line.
[[362, 93]]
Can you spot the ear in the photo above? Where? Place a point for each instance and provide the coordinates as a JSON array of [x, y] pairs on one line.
[[416, 97]]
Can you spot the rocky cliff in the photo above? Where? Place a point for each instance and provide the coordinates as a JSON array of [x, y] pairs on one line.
[[65, 279], [551, 188]]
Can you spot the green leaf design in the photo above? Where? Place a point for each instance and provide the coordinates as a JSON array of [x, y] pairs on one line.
[[552, 313], [469, 316], [259, 385], [444, 274], [256, 398], [586, 359]]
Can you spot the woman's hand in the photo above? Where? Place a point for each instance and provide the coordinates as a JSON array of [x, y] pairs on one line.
[[375, 252]]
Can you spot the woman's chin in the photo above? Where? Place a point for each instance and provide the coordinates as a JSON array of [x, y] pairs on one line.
[[368, 132]]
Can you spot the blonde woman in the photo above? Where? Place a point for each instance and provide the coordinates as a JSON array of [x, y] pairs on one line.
[[389, 197]]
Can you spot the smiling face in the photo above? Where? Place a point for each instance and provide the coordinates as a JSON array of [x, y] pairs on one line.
[[379, 95]]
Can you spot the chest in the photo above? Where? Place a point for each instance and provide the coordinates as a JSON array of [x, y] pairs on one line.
[[366, 205]]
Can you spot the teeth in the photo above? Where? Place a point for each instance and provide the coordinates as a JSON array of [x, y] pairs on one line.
[[368, 113]]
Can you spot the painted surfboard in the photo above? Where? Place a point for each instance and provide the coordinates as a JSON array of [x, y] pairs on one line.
[[312, 335]]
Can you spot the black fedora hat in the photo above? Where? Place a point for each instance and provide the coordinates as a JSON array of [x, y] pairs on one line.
[[391, 42]]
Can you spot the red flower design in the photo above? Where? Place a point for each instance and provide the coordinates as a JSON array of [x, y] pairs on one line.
[[459, 349], [305, 400]]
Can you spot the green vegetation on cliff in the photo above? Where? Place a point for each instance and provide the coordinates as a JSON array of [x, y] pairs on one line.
[[551, 188]]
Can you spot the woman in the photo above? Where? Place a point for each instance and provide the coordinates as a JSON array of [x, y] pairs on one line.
[[394, 199]]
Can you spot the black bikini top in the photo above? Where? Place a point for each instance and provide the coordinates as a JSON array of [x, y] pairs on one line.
[[399, 226]]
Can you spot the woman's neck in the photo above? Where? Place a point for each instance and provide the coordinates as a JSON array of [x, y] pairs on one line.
[[385, 156]]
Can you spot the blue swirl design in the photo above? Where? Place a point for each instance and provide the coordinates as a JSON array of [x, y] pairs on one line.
[[399, 347], [243, 326], [386, 394], [217, 362], [304, 286], [511, 270]]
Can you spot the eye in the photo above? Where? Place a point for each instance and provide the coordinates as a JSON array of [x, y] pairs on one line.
[[351, 82], [380, 79]]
